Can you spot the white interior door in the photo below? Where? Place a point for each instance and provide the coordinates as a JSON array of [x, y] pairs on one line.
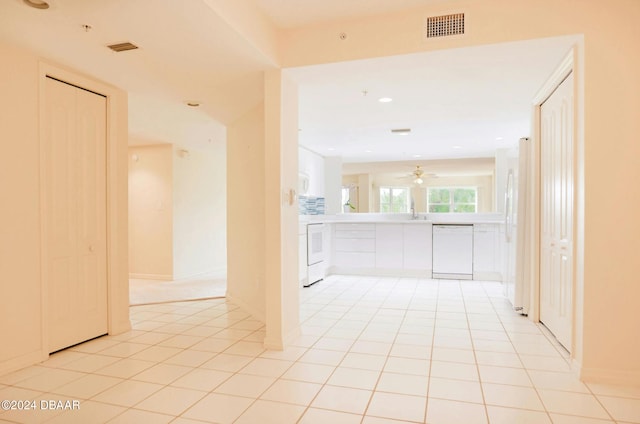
[[556, 200], [74, 147]]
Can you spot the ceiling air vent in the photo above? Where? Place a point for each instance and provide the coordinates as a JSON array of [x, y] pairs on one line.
[[122, 47], [401, 131], [445, 25]]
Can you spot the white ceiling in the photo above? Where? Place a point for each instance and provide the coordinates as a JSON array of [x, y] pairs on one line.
[[460, 103], [186, 52], [464, 97]]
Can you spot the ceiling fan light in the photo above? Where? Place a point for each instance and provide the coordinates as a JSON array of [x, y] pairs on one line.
[[418, 180]]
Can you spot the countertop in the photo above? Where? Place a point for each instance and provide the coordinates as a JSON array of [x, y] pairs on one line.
[[381, 218]]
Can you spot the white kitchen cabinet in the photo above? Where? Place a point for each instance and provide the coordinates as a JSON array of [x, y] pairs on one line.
[[389, 246], [302, 253], [355, 244], [354, 260], [353, 247], [417, 246], [406, 249], [327, 246], [487, 264], [366, 231]]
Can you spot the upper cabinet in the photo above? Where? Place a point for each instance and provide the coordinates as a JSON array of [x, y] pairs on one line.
[[311, 173]]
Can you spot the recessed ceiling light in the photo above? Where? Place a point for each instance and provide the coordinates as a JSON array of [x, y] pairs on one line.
[[499, 138], [417, 156], [456, 147], [385, 99], [368, 151], [37, 4], [331, 149]]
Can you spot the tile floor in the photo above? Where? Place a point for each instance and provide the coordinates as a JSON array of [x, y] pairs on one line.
[[373, 351]]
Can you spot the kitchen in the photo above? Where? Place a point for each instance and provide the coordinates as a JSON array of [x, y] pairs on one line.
[[387, 156], [410, 244]]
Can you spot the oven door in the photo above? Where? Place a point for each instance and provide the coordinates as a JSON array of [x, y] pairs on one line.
[[315, 249]]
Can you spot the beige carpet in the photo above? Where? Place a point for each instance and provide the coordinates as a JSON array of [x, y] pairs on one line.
[[143, 292]]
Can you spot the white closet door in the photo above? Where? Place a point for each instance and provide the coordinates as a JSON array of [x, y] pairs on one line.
[[74, 153], [556, 196]]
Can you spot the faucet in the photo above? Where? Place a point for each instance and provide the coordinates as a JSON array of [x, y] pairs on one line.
[[414, 214]]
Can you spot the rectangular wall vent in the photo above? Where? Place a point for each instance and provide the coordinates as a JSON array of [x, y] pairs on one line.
[[122, 47], [445, 25]]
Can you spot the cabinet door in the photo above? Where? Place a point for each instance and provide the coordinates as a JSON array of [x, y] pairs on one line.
[[353, 246], [417, 246], [484, 254], [327, 245], [302, 257], [354, 260], [389, 246]]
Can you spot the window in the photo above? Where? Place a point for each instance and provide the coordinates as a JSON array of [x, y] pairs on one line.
[[394, 199], [346, 195], [452, 199]]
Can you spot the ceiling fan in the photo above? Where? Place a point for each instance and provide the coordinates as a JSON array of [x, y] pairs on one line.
[[418, 174]]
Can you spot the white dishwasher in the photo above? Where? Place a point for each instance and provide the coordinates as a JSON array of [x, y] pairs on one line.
[[453, 251]]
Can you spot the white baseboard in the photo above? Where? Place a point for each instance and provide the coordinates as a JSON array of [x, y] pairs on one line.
[[488, 276], [212, 273], [23, 361], [287, 340], [377, 272], [609, 376], [255, 313], [162, 277], [120, 327], [416, 273]]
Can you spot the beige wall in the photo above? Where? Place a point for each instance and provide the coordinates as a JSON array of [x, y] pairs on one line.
[[21, 310], [607, 72], [199, 211], [281, 210], [177, 211], [20, 306], [262, 224], [246, 212], [151, 212]]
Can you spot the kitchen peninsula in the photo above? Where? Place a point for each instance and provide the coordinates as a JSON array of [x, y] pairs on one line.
[[403, 245]]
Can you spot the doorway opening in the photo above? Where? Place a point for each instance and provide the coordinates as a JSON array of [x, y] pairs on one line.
[[177, 222]]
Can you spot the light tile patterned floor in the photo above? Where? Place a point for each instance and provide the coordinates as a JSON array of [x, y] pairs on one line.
[[373, 351]]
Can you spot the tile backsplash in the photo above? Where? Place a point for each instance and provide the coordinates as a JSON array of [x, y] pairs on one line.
[[311, 205]]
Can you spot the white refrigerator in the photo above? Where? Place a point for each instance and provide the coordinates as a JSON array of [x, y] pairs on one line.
[[516, 214]]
